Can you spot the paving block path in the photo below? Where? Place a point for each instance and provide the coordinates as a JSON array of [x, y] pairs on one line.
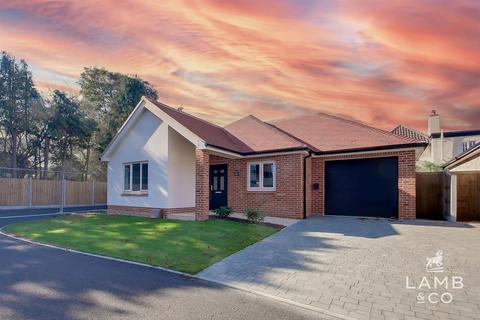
[[359, 267]]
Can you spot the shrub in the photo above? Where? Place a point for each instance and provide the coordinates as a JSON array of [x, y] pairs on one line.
[[223, 212], [427, 166], [254, 215]]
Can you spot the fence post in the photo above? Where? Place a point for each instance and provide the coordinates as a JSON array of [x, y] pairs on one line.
[[30, 195], [453, 197], [93, 192], [62, 192]]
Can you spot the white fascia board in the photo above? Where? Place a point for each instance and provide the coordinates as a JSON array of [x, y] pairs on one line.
[[333, 154], [223, 153], [234, 155], [271, 154]]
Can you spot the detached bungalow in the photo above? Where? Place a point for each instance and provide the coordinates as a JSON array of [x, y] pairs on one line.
[[165, 161]]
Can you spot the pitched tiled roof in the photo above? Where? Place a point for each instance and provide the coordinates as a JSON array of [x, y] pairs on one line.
[[210, 133], [327, 133], [261, 136], [319, 132], [405, 131]]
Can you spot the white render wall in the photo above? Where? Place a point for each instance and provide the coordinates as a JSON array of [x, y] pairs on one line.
[[181, 174], [150, 139]]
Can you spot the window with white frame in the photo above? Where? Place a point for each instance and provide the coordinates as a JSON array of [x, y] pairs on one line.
[[467, 145], [135, 176], [261, 176]]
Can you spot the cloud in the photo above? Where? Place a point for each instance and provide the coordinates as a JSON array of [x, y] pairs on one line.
[[381, 62]]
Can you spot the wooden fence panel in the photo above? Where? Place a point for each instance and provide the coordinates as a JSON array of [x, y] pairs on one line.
[[79, 193], [101, 192], [46, 192], [468, 196], [429, 188], [13, 192]]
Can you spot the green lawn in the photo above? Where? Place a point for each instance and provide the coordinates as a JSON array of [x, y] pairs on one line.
[[187, 246]]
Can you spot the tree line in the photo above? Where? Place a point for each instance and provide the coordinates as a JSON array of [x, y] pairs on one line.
[[63, 131]]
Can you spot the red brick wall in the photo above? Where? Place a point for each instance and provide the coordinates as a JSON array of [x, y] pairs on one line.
[[407, 185], [286, 201], [178, 210], [146, 212], [309, 182], [406, 180], [202, 184], [134, 211]]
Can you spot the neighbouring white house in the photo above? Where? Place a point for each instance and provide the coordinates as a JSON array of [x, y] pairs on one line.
[[457, 154], [463, 179], [443, 146]]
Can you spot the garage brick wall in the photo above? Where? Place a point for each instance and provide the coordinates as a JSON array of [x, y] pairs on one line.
[[286, 201], [406, 180]]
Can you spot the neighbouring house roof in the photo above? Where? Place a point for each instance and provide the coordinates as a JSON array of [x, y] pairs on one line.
[[464, 156], [411, 133], [460, 133], [328, 133], [261, 136]]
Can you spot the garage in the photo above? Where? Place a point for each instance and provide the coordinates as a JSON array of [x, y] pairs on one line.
[[362, 187]]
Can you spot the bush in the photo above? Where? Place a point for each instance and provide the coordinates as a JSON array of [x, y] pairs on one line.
[[254, 215], [427, 166], [223, 212]]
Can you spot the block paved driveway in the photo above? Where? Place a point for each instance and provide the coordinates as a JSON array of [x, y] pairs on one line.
[[358, 267]]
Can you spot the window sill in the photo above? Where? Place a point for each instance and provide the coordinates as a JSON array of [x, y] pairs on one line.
[[261, 190], [135, 194]]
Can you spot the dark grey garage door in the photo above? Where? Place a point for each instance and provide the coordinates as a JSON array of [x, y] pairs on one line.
[[364, 187]]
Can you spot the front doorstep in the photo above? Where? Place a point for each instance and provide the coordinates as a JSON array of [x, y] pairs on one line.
[[285, 222]]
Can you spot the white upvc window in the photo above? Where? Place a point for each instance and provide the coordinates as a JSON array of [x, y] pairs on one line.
[[467, 145], [135, 176], [261, 176]]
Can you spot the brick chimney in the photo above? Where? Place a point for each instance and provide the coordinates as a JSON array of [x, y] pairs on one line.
[[433, 123]]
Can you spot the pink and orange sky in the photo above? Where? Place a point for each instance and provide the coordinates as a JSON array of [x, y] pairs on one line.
[[382, 62]]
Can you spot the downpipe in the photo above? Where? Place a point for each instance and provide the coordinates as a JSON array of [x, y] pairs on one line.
[[305, 186]]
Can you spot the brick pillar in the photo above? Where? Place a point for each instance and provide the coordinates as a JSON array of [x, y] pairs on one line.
[[202, 184], [406, 185], [308, 187]]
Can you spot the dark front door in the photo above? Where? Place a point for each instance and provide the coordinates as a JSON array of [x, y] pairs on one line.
[[218, 186], [365, 187]]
